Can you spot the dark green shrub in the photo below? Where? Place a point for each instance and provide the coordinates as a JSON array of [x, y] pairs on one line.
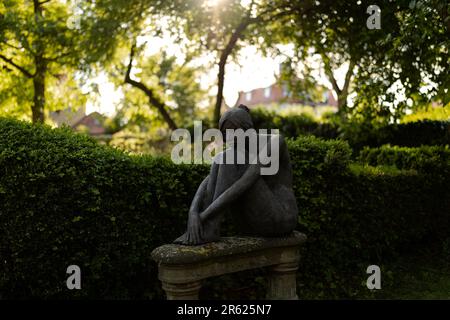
[[357, 134], [355, 216], [425, 158], [411, 134], [293, 125], [424, 132], [65, 200]]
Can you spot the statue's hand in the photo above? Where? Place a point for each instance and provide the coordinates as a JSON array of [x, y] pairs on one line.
[[194, 230]]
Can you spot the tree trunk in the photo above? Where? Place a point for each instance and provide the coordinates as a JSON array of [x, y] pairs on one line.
[[223, 61], [220, 85], [342, 105], [40, 64], [342, 100], [236, 35], [152, 98], [37, 108], [342, 94]]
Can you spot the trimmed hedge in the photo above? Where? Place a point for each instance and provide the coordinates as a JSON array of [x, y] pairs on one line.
[[358, 135], [424, 158], [356, 215], [64, 199], [294, 125], [411, 134]]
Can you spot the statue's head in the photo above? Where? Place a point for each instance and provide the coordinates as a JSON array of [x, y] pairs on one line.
[[236, 118]]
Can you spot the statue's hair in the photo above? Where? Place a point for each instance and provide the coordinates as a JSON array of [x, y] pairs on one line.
[[238, 116], [244, 107]]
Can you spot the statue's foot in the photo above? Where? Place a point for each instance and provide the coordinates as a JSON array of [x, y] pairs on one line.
[[187, 242], [183, 239]]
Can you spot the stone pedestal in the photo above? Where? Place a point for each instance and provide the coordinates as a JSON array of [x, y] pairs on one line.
[[282, 282], [182, 291], [182, 268]]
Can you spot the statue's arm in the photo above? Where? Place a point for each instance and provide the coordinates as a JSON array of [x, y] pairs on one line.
[[231, 194], [236, 190], [194, 231], [196, 202]]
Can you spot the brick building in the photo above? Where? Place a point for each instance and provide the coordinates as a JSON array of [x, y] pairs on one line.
[[278, 94], [91, 124]]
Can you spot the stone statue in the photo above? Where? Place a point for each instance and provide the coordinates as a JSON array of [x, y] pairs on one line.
[[262, 205]]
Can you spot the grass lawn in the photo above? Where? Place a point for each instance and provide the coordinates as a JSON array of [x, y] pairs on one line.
[[422, 275]]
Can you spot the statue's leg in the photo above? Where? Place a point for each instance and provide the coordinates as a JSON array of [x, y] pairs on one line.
[[221, 177], [205, 197], [227, 175], [269, 211]]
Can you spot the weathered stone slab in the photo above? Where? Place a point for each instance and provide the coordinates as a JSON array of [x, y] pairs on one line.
[[227, 246], [181, 268]]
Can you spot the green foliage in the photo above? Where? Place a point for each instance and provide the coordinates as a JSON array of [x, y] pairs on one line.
[[410, 134], [407, 56], [107, 24], [424, 158], [173, 82], [356, 216], [357, 134], [411, 59], [37, 47], [219, 21], [420, 273], [154, 143], [429, 113], [64, 199], [67, 200], [293, 125]]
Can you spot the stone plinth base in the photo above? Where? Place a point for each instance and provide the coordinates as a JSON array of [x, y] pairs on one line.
[[182, 268]]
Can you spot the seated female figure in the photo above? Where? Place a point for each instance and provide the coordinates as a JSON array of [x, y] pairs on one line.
[[263, 204]]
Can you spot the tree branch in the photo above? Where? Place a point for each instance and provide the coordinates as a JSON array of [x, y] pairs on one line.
[[329, 73], [235, 36], [21, 69], [156, 102], [348, 76], [11, 46], [56, 58]]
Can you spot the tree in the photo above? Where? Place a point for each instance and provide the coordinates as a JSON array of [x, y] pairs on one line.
[[55, 39], [228, 22], [154, 100], [331, 31], [35, 42], [172, 88], [335, 32], [407, 67], [136, 18]]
